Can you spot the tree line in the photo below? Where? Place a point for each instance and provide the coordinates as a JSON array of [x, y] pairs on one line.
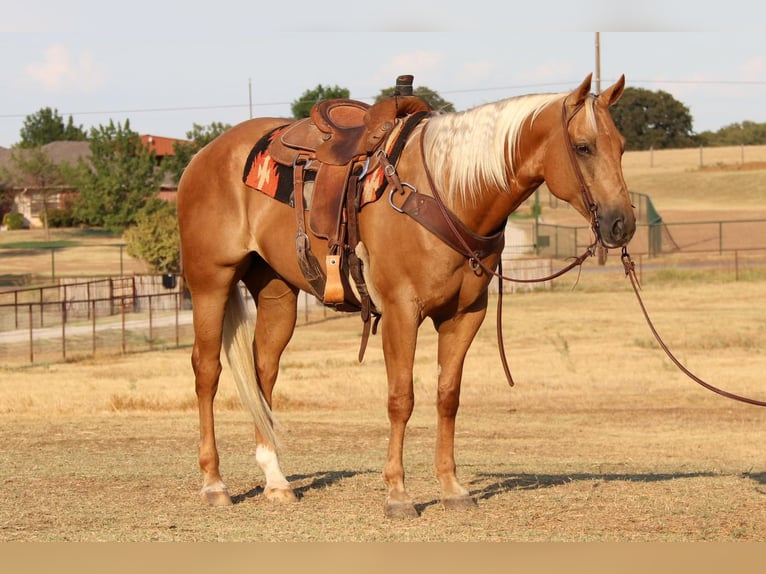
[[117, 184]]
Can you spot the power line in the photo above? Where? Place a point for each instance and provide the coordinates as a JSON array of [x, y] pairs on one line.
[[444, 92]]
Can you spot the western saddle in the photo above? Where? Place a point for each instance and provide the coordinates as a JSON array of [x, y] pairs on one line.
[[336, 146]]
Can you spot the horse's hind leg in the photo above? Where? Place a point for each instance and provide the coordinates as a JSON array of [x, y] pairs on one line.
[[209, 307], [276, 302]]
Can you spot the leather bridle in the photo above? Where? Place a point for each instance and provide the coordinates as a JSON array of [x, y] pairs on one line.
[[587, 197], [460, 242], [592, 207]]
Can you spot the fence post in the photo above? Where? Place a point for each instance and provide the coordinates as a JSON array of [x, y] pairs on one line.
[[720, 238], [93, 330], [178, 304], [63, 330], [31, 339], [151, 325], [123, 323]]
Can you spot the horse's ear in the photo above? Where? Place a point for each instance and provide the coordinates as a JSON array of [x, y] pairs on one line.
[[610, 96], [578, 96]]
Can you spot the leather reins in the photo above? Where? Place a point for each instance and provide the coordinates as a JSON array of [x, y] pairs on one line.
[[630, 271], [475, 258]]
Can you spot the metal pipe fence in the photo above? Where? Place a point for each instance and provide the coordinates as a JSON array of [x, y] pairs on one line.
[[560, 241], [37, 328]]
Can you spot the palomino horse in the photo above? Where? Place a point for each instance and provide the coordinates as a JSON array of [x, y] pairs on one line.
[[483, 163]]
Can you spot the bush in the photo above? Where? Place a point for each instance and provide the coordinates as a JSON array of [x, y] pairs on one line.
[[14, 220], [154, 238], [61, 217]]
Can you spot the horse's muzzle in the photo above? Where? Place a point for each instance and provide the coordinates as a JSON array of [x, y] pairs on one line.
[[616, 228]]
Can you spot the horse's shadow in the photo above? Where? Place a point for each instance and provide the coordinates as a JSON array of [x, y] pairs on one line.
[[489, 485], [502, 483], [318, 480]]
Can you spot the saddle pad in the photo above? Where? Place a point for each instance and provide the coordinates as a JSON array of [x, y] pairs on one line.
[[263, 174]]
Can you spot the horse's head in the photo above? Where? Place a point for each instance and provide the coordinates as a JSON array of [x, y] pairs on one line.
[[583, 163]]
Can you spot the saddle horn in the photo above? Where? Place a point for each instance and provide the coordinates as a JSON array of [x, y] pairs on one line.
[[404, 85]]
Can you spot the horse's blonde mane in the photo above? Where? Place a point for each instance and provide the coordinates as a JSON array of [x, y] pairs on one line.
[[468, 151]]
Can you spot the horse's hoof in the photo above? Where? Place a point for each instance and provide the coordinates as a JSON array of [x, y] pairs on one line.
[[459, 503], [280, 495], [216, 498], [401, 510]]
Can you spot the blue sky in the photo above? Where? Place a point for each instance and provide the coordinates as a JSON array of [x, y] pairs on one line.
[[166, 66]]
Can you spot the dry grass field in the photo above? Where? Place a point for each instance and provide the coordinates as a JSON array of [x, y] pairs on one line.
[[602, 439], [724, 187]]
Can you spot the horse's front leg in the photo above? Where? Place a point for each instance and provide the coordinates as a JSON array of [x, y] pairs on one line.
[[455, 337], [399, 338]]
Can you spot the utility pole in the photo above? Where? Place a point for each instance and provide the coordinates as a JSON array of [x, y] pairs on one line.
[[250, 95], [598, 63]]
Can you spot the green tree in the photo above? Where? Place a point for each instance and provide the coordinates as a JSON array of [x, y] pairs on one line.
[[302, 106], [6, 198], [198, 138], [744, 133], [33, 168], [653, 120], [119, 180], [46, 126], [154, 238], [429, 95]]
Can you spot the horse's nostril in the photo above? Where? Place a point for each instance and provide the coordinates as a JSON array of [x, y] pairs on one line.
[[618, 228]]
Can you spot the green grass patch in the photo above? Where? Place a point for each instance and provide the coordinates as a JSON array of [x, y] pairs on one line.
[[61, 243]]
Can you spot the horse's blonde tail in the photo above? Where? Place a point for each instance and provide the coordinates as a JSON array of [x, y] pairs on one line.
[[238, 347]]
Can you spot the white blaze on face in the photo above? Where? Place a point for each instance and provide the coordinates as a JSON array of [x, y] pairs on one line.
[[267, 460]]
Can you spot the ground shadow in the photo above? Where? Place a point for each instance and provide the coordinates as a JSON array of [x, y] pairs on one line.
[[759, 477], [318, 480], [509, 482], [501, 483]]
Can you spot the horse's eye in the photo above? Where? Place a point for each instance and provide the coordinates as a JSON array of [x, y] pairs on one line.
[[582, 148]]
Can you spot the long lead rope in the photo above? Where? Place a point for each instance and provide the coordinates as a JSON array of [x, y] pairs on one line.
[[630, 271]]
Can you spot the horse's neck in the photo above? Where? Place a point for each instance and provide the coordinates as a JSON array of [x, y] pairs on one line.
[[496, 189], [489, 208]]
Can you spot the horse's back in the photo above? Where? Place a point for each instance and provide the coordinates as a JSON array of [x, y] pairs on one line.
[[213, 202], [225, 156]]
